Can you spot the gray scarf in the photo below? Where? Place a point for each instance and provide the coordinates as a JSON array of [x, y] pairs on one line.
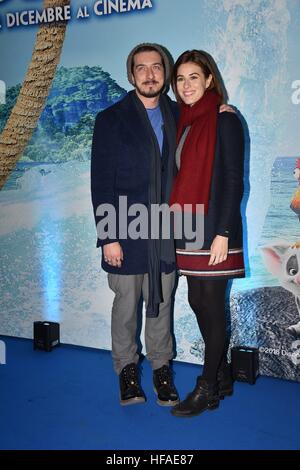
[[158, 249]]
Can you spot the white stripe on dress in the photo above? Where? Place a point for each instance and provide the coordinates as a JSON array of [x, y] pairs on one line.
[[207, 252], [212, 273]]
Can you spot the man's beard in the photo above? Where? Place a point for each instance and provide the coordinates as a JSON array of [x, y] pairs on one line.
[[151, 93]]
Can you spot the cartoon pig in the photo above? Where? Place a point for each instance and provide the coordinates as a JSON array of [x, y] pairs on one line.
[[283, 261]]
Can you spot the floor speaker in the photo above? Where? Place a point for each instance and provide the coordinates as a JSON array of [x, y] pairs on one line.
[[244, 363], [45, 335]]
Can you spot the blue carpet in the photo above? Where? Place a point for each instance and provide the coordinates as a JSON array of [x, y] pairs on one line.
[[69, 399]]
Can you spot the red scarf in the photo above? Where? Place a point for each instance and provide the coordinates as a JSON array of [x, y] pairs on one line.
[[193, 181]]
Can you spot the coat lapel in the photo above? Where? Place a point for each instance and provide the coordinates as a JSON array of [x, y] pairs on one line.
[[133, 117]]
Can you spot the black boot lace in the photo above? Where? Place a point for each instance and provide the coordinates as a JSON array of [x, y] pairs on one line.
[[164, 376], [130, 376]]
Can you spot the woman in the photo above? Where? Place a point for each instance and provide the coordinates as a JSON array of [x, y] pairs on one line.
[[209, 158]]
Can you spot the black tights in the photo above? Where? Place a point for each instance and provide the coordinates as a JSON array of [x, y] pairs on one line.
[[207, 300]]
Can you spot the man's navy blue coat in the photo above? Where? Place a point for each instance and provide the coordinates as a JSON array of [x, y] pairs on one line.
[[120, 166]]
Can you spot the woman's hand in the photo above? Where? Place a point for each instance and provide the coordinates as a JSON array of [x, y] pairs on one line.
[[218, 250], [113, 254], [227, 108]]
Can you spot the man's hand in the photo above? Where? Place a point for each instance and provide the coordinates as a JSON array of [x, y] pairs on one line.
[[227, 108], [113, 254], [218, 250]]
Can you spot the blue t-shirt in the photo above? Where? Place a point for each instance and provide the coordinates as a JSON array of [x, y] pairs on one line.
[[156, 120]]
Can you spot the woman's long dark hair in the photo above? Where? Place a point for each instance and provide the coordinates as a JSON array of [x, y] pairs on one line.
[[208, 67]]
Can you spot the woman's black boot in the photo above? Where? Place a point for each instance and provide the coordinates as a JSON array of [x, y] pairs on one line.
[[225, 382], [203, 397]]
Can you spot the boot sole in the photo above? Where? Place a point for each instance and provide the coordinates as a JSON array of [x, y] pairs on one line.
[[132, 401], [208, 408], [165, 403]]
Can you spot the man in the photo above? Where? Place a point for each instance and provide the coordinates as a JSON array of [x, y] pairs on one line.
[[133, 156]]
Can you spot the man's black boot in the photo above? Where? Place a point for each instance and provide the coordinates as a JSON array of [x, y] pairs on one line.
[[130, 389], [225, 381], [203, 397], [164, 387]]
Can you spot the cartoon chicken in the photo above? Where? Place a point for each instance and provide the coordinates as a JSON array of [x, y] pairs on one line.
[[295, 203]]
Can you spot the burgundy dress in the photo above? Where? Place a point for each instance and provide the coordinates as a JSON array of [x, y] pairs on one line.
[[223, 217]]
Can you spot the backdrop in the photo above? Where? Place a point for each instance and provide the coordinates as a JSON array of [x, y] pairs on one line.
[[50, 268]]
